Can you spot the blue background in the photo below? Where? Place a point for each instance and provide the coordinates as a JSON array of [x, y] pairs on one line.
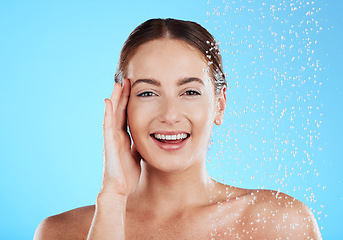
[[282, 128]]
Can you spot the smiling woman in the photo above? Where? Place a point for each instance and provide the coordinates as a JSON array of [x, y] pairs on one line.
[[170, 91], [181, 101]]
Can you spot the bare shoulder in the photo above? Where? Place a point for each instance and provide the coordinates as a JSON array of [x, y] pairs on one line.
[[282, 215], [73, 224]]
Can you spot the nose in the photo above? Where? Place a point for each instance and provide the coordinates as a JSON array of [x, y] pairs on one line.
[[170, 111]]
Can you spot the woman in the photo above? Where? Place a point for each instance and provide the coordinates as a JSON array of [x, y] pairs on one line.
[[170, 89]]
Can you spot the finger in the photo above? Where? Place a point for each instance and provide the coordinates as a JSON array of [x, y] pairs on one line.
[[115, 96], [122, 105], [116, 87], [108, 128]]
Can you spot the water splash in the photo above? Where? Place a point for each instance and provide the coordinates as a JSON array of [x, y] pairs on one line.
[[273, 115]]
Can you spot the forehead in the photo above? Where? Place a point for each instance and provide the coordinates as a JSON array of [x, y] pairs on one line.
[[167, 58]]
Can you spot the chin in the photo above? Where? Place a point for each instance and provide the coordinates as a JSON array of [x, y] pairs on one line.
[[169, 164]]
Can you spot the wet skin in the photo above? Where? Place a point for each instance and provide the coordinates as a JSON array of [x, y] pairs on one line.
[[253, 214], [171, 92]]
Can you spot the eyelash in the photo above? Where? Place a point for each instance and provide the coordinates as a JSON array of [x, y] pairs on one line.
[[187, 93], [145, 94], [192, 93]]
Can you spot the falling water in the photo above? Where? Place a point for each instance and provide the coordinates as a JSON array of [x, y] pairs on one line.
[[270, 134]]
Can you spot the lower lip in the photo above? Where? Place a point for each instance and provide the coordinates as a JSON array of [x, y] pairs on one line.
[[170, 146]]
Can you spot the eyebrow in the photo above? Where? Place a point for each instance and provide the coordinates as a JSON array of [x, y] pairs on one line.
[[158, 84], [149, 81]]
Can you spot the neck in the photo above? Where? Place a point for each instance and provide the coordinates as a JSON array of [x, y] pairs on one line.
[[169, 193]]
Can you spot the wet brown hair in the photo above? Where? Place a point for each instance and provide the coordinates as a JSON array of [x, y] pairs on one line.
[[190, 32]]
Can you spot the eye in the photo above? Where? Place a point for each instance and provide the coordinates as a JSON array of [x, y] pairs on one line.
[[146, 94], [192, 93]]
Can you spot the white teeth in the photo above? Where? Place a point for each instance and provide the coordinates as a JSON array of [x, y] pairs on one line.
[[171, 137]]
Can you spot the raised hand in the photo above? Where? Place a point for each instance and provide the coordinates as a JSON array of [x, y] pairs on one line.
[[121, 169], [121, 160]]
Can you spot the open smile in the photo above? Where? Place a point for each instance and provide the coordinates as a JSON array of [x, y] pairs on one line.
[[170, 141]]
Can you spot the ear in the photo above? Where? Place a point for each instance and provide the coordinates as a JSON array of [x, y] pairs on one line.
[[220, 106]]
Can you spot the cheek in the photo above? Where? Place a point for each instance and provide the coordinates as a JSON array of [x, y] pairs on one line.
[[201, 116], [203, 111], [132, 118], [138, 117], [138, 112]]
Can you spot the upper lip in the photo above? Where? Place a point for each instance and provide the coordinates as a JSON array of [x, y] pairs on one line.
[[169, 132]]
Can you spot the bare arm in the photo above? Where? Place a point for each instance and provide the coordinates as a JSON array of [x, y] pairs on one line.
[[109, 218], [120, 177], [302, 224], [284, 217], [121, 169]]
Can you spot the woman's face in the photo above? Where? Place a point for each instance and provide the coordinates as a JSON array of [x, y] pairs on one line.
[[172, 105]]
